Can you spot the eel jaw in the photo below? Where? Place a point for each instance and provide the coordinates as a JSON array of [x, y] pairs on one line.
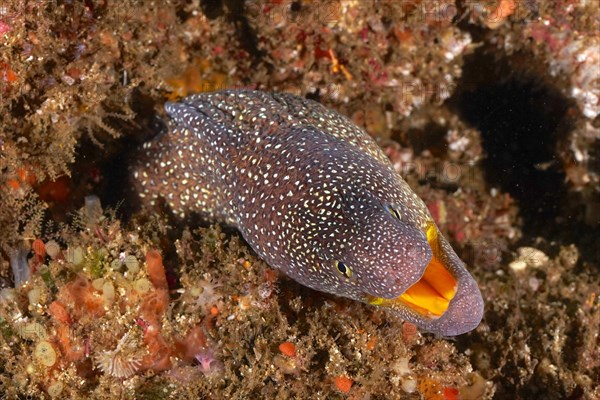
[[445, 300], [430, 296]]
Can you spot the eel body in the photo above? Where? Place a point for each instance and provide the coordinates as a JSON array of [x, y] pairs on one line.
[[315, 197]]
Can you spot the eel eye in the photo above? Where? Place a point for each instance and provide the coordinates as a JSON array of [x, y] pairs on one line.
[[343, 269], [392, 210]]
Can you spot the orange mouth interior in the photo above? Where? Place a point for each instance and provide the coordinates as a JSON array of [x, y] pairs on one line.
[[431, 294]]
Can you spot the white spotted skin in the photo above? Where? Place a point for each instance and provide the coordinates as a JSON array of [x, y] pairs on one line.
[[305, 187]]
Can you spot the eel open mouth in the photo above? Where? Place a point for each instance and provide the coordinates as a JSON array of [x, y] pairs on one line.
[[431, 294]]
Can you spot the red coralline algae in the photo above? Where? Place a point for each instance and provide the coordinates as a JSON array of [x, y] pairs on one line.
[[7, 74], [194, 342], [39, 248], [59, 313], [72, 352], [79, 296], [155, 302], [151, 311], [451, 393], [159, 357], [288, 348], [39, 251], [343, 383], [24, 175], [153, 306], [156, 269]]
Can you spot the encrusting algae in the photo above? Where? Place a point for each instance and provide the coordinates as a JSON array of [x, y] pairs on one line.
[[92, 313], [103, 325]]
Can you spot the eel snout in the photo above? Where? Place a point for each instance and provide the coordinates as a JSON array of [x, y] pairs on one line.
[[445, 300], [464, 307]]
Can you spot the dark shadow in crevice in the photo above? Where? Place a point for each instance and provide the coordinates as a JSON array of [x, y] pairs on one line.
[[212, 8], [521, 121], [432, 138], [245, 32]]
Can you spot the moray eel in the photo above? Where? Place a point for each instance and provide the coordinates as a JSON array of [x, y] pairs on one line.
[[315, 197]]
